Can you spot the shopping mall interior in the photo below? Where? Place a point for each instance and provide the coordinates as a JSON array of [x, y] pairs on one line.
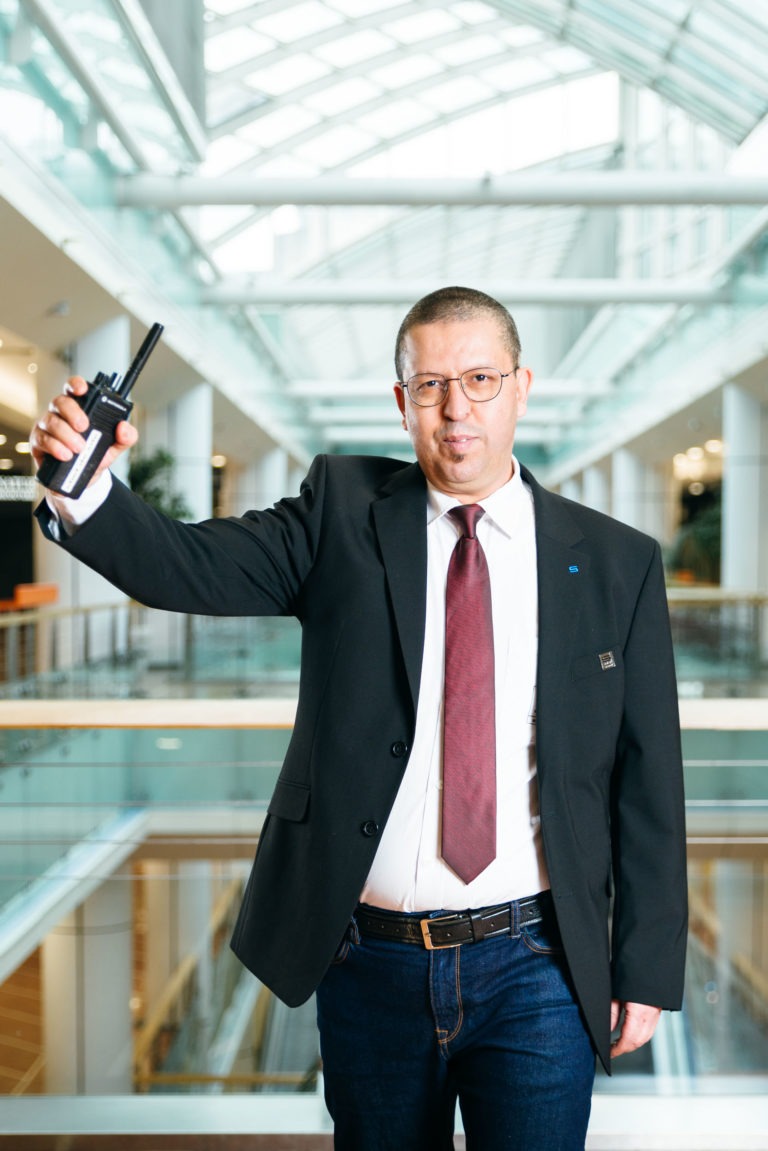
[[276, 184]]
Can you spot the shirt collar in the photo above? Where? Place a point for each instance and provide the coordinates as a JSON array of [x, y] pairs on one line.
[[504, 506]]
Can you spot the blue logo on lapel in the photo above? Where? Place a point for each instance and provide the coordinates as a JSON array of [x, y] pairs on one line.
[[573, 568]]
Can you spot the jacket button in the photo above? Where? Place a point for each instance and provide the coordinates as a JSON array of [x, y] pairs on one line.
[[399, 748], [369, 828]]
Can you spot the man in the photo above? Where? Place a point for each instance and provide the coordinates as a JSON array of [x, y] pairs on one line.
[[493, 983]]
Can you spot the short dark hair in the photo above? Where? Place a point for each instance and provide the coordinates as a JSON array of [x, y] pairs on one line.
[[456, 303]]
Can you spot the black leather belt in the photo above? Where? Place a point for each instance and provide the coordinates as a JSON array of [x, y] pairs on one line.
[[453, 929]]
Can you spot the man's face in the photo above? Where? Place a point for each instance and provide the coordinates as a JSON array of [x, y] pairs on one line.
[[464, 447]]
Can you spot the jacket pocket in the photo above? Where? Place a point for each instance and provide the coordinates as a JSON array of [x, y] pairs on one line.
[[289, 800]]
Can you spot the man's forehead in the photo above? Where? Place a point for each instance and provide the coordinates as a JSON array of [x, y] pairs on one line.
[[455, 334]]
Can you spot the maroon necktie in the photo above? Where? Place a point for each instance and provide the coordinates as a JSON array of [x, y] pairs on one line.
[[469, 750]]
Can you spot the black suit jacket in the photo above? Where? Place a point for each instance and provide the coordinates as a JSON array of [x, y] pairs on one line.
[[348, 558]]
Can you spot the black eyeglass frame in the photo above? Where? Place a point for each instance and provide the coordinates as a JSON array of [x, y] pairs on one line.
[[459, 380]]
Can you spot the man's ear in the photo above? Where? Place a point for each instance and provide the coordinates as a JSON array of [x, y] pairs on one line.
[[523, 385], [399, 391]]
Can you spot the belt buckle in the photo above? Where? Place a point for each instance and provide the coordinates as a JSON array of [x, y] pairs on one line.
[[429, 943]]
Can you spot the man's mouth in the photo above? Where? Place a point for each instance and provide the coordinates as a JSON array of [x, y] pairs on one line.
[[456, 440]]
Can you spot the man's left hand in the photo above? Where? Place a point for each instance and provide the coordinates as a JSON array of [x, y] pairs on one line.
[[638, 1023]]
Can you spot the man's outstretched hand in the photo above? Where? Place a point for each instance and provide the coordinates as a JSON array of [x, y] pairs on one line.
[[59, 431]]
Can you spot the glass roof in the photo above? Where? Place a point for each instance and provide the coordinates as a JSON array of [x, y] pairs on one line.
[[385, 89]]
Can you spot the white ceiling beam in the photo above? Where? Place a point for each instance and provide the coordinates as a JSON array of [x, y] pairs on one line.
[[583, 292], [163, 75], [565, 188], [48, 20]]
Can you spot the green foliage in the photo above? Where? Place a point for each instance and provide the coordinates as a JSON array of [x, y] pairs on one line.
[[697, 546], [149, 476]]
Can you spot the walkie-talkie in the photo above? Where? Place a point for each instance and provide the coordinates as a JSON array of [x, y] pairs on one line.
[[106, 404]]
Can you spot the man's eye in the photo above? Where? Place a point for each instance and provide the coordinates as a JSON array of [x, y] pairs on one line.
[[427, 385], [478, 378]]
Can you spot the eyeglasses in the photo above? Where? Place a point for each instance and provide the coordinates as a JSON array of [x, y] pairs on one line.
[[478, 385]]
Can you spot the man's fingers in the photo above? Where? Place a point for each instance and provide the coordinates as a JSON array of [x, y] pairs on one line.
[[54, 435], [76, 386], [615, 1013], [638, 1024], [61, 429], [125, 437]]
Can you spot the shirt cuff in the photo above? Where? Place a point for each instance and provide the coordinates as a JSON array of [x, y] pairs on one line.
[[70, 513]]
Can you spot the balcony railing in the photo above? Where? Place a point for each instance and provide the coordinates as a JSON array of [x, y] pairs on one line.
[[125, 650]]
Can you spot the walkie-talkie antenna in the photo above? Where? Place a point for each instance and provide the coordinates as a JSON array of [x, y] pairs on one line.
[[140, 359]]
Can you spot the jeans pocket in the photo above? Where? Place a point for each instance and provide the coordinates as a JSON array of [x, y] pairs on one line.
[[349, 937], [542, 938], [342, 951]]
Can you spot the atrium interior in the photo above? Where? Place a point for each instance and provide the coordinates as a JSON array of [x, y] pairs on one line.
[[277, 183]]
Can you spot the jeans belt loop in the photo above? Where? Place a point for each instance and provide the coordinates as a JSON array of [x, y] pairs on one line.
[[477, 924]]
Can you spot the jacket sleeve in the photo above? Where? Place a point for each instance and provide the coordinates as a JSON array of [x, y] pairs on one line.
[[252, 564], [648, 814]]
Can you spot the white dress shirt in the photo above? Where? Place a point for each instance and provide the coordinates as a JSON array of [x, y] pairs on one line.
[[408, 873], [69, 514]]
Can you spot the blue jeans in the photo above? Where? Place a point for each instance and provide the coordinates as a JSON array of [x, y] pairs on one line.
[[405, 1032]]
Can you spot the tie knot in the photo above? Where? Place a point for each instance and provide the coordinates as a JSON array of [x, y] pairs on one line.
[[466, 516]]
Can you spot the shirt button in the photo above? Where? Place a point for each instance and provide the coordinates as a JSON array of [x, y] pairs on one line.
[[369, 828], [399, 748]]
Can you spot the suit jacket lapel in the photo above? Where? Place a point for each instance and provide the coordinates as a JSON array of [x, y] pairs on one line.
[[400, 518], [562, 570]]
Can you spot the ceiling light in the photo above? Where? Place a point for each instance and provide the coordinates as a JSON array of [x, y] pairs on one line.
[[32, 368], [23, 448], [714, 446]]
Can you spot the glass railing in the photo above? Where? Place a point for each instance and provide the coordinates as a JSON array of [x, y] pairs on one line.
[[165, 798], [124, 650], [721, 641]]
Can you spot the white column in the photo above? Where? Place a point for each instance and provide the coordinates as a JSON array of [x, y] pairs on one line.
[[262, 483], [639, 494], [193, 895], [295, 480], [626, 488], [159, 952], [596, 492], [745, 491], [86, 976], [185, 429], [245, 489], [272, 477], [191, 442], [654, 512], [571, 489]]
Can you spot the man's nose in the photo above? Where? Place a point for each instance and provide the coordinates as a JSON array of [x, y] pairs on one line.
[[455, 405]]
